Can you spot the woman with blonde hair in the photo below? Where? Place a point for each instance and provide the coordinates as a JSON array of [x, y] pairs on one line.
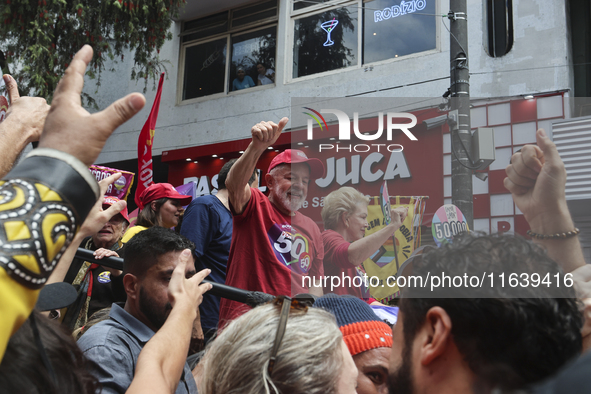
[[345, 245], [281, 347]]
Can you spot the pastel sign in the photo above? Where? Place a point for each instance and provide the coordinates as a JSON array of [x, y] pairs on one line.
[[405, 7], [448, 222]]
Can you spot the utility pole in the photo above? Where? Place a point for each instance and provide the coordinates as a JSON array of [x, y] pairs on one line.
[[461, 136]]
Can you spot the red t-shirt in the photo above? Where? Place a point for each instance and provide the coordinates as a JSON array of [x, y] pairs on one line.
[[271, 252], [337, 265]]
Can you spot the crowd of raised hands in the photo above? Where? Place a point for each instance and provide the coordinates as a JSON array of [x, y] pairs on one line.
[[67, 133], [69, 138]]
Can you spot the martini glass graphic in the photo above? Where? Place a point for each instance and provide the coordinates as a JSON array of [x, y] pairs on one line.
[[328, 27]]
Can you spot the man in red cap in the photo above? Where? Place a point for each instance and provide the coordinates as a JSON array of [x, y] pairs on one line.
[[274, 247]]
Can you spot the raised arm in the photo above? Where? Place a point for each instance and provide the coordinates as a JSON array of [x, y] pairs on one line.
[[95, 220], [365, 247], [536, 179], [23, 124], [264, 134], [161, 361], [50, 193]]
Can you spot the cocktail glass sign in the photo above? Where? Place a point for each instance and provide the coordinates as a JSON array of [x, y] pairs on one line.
[[328, 27]]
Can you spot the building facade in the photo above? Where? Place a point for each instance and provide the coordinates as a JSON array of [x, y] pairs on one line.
[[527, 69]]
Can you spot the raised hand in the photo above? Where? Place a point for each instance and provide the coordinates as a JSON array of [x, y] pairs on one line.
[[536, 178], [70, 128], [97, 217], [398, 216], [188, 292], [264, 134], [23, 124], [26, 113]]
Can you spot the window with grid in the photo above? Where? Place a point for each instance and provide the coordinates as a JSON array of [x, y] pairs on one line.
[[229, 51], [330, 35]]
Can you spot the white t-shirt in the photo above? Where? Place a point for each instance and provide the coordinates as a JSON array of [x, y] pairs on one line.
[[266, 80]]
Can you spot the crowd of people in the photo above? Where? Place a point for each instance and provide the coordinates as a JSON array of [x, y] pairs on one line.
[[134, 327]]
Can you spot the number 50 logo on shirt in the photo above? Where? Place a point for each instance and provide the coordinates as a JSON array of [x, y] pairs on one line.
[[292, 250], [300, 253], [281, 241]]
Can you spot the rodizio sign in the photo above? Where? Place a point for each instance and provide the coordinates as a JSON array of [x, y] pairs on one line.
[[405, 7]]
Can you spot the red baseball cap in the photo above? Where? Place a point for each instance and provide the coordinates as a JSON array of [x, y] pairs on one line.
[[293, 156], [162, 190], [110, 200]]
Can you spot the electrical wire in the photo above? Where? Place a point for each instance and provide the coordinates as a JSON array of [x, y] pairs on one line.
[[453, 151], [359, 7], [461, 47], [531, 68]]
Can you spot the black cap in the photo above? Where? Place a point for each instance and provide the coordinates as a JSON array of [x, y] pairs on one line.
[[56, 296]]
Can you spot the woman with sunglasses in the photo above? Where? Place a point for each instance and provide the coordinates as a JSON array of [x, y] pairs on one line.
[[282, 347]]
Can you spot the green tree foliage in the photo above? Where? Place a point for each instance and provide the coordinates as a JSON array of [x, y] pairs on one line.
[[40, 37]]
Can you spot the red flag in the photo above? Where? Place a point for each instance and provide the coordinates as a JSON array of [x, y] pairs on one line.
[[144, 147]]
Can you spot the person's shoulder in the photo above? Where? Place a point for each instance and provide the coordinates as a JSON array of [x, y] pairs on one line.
[[305, 220], [208, 199], [257, 203], [330, 234], [255, 190], [331, 239], [304, 225], [258, 197], [131, 232], [105, 333], [109, 348], [135, 229]]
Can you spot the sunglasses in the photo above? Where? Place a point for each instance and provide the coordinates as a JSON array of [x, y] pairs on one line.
[[286, 304]]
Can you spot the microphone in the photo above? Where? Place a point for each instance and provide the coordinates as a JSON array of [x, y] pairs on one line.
[[250, 298]]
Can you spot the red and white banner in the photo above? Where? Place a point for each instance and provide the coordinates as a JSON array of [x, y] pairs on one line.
[[144, 146]]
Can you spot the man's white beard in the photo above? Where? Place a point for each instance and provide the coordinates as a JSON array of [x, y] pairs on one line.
[[286, 202]]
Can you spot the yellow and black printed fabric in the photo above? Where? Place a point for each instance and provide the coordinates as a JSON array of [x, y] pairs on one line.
[[43, 201]]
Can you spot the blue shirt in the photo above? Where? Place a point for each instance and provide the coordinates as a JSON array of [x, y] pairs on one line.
[[247, 82], [114, 345], [208, 223]]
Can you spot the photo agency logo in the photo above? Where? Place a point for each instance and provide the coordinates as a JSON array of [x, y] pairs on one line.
[[395, 121]]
